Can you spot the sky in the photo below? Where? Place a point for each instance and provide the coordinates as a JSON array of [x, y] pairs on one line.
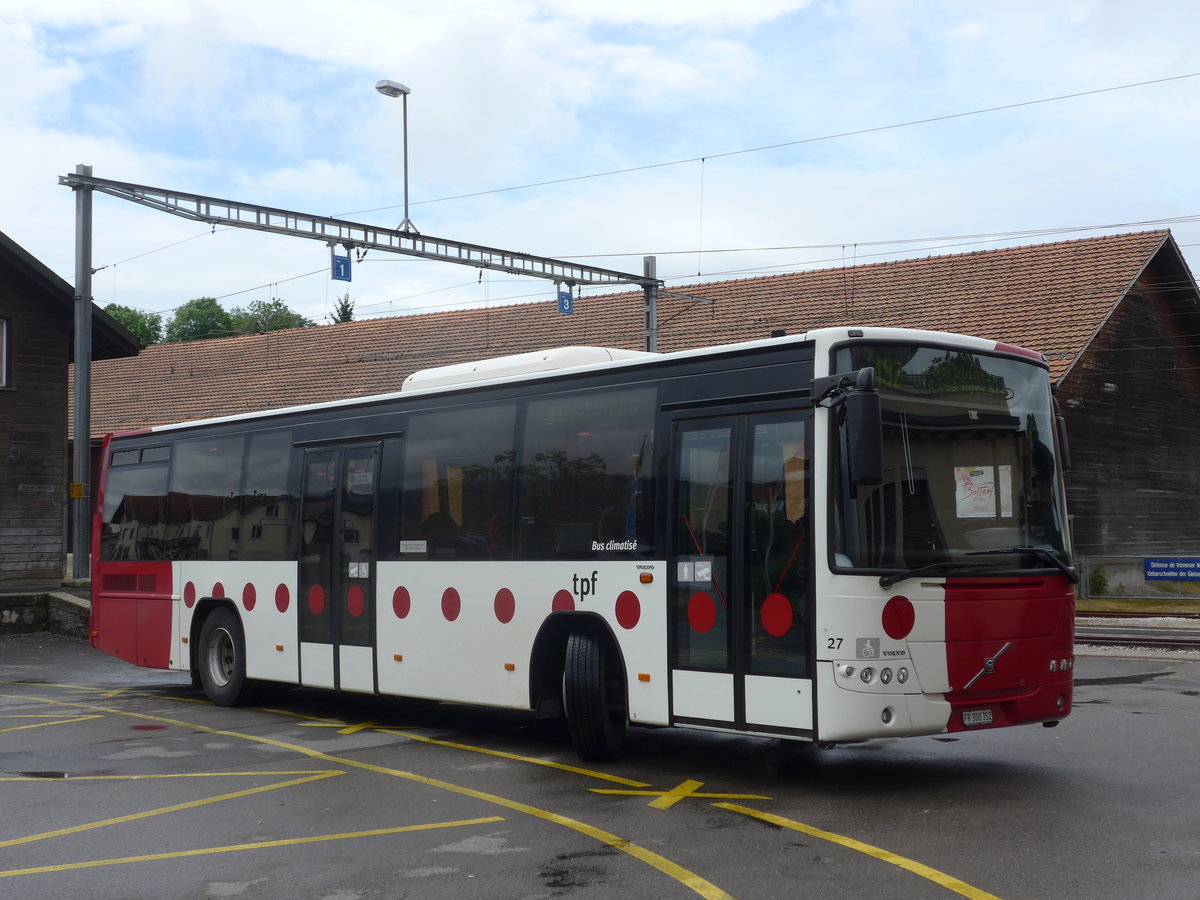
[[728, 140]]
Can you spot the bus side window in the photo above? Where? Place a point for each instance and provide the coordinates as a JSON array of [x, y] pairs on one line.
[[205, 503], [455, 500], [585, 469], [264, 531]]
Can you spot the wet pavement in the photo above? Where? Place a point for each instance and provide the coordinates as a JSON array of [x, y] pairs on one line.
[[119, 782]]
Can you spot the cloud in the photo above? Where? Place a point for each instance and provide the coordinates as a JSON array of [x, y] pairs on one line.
[[272, 102]]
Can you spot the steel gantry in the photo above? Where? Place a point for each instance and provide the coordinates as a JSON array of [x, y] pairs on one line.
[[235, 214]]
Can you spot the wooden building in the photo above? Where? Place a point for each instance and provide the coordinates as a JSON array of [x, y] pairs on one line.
[[1116, 316], [37, 327]]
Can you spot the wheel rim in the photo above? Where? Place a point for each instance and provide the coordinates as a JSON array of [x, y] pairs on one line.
[[221, 657]]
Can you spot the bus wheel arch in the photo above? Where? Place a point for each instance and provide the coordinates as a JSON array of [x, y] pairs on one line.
[[589, 672], [219, 653]]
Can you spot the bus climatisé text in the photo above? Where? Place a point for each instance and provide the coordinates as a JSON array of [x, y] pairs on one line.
[[834, 536]]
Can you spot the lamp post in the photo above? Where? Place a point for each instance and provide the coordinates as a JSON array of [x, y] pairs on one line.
[[395, 89]]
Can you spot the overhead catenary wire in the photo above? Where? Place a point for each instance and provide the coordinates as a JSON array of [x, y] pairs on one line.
[[794, 143], [977, 238]]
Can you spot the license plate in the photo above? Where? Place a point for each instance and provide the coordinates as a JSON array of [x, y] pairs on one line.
[[977, 717]]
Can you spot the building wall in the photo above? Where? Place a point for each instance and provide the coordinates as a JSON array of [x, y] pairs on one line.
[[33, 440], [1130, 406]]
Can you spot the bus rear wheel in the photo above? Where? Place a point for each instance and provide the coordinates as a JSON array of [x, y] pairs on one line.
[[594, 696], [222, 658]]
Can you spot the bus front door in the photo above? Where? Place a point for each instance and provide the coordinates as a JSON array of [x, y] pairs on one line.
[[740, 581], [337, 567]]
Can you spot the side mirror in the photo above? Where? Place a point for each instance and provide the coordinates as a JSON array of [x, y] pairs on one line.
[[864, 430], [1064, 447]]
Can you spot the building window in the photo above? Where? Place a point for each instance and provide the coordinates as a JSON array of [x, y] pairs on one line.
[[5, 353]]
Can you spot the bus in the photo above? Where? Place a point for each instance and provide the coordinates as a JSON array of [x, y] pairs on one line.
[[830, 537]]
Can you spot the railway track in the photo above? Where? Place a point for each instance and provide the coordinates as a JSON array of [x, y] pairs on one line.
[[1155, 632]]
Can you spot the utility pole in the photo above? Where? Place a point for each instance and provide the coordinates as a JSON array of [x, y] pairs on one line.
[[81, 462], [650, 286]]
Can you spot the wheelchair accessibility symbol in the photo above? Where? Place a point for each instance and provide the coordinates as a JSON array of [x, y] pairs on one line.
[[867, 648]]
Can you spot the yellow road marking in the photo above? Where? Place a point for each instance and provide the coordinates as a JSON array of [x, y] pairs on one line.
[[57, 721], [530, 760], [33, 715], [191, 804], [688, 879], [667, 799], [230, 774], [342, 727], [949, 882], [257, 845], [402, 732]]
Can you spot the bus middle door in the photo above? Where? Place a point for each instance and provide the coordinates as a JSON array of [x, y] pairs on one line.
[[337, 567], [740, 584]]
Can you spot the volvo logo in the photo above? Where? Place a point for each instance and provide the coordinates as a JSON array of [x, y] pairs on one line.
[[989, 666]]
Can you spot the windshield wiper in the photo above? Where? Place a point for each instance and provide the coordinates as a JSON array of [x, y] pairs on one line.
[[886, 581], [1041, 553]]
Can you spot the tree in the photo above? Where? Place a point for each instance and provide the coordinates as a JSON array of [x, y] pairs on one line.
[[198, 320], [343, 311], [145, 326], [267, 315]]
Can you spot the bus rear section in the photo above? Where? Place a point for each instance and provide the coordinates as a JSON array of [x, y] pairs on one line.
[[133, 591]]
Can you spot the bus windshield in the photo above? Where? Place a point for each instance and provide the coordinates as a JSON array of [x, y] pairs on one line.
[[970, 474]]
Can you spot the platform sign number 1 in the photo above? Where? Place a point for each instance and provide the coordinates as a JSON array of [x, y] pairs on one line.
[[341, 268]]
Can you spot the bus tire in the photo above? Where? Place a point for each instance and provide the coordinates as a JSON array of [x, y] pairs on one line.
[[594, 696], [222, 658]]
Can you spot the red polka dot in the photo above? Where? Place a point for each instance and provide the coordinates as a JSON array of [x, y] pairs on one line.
[[629, 609], [451, 604], [563, 602], [702, 612], [218, 590], [506, 606], [401, 603], [189, 595], [283, 598], [249, 598], [316, 600], [776, 615], [356, 602], [899, 616]]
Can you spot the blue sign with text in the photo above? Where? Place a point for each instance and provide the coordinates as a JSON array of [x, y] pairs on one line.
[[1173, 568], [341, 268], [566, 305]]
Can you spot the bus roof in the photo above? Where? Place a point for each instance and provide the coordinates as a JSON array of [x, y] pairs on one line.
[[578, 360]]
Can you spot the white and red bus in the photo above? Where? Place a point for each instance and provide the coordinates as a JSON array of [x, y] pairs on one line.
[[834, 536]]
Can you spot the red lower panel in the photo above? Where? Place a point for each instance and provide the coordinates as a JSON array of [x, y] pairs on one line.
[[1001, 635], [131, 612], [114, 626]]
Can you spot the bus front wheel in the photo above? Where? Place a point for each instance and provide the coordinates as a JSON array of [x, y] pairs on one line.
[[222, 658], [594, 696]]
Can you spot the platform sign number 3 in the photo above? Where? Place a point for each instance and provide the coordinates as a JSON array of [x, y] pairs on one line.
[[566, 303]]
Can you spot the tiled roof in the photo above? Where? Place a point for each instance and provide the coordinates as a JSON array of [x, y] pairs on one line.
[[1047, 297]]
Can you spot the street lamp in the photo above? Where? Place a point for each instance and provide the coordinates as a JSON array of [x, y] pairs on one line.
[[395, 89]]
